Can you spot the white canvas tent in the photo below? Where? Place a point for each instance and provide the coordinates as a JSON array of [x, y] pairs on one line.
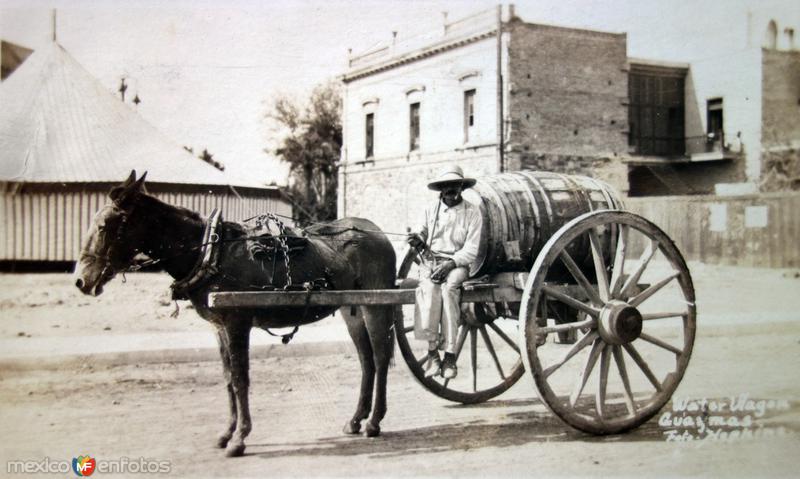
[[65, 140], [59, 124]]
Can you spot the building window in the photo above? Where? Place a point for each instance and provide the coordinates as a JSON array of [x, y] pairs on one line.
[[714, 120], [370, 134], [656, 112], [469, 114], [413, 129]]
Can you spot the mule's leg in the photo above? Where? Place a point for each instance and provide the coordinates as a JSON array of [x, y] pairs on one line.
[[358, 332], [237, 331], [378, 320], [222, 339]]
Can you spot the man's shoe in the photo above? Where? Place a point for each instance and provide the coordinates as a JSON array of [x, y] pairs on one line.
[[433, 366], [449, 369]]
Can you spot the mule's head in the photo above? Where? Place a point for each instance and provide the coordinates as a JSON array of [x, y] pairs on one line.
[[110, 245]]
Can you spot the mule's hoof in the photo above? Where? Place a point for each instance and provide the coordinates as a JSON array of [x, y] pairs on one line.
[[222, 441], [352, 427], [373, 431], [235, 450]]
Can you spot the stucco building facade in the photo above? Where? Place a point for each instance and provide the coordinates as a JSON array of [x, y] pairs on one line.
[[494, 93]]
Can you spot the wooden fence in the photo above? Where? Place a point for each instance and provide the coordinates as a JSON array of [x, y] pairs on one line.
[[754, 230], [50, 225]]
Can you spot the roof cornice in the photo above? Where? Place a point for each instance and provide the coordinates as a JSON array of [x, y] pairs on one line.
[[417, 55]]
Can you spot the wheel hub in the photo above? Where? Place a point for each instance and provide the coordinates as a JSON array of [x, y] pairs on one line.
[[620, 323]]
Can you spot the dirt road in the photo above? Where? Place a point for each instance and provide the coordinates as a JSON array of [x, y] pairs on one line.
[[173, 412], [747, 345]]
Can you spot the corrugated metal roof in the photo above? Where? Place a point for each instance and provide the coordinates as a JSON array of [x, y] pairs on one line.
[[59, 124]]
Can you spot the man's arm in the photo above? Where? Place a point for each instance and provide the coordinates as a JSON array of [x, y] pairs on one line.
[[418, 237], [469, 252]]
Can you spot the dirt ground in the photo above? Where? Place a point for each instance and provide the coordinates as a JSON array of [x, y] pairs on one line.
[[49, 305], [173, 412], [39, 305]]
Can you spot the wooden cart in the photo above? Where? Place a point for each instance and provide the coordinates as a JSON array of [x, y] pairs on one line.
[[606, 337]]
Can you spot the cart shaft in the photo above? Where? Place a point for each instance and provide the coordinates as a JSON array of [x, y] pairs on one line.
[[266, 299]]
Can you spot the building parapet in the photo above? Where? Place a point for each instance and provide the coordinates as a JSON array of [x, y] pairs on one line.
[[412, 56], [468, 26]]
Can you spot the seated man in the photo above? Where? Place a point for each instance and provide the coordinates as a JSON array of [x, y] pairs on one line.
[[448, 240]]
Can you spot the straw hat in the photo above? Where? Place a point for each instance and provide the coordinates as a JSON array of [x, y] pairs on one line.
[[451, 174]]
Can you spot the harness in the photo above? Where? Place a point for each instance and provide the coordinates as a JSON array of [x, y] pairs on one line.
[[262, 246], [262, 250], [206, 265], [109, 268]]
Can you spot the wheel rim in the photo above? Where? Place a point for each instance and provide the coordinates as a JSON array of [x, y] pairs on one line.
[[488, 358], [633, 345]]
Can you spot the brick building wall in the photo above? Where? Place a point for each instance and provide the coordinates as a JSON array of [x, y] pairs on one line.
[[567, 96]]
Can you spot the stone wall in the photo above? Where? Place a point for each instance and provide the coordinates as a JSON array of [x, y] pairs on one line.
[[394, 195]]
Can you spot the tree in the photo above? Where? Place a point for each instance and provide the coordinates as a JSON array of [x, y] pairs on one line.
[[310, 142]]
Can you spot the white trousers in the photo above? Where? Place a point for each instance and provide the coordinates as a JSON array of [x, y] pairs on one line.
[[437, 313]]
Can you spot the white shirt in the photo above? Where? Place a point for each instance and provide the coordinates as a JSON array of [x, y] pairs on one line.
[[456, 233]]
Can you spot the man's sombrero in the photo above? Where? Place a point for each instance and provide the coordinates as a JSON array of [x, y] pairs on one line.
[[449, 176]]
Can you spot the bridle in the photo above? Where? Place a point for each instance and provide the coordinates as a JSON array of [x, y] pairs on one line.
[[111, 267], [107, 260]]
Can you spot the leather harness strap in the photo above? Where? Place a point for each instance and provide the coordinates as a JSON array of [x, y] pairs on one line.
[[206, 263]]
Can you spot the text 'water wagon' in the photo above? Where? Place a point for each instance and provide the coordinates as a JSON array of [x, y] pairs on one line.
[[595, 302]]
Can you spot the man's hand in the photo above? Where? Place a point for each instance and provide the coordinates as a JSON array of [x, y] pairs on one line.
[[414, 240], [439, 274]]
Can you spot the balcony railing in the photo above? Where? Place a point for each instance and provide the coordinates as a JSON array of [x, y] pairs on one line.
[[713, 144], [707, 147]]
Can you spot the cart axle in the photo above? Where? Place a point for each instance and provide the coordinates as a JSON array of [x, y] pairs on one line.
[[620, 323]]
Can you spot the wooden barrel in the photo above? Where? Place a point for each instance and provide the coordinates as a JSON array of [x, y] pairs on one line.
[[523, 209]]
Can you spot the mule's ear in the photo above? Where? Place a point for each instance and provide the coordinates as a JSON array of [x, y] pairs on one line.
[[122, 195], [116, 191], [130, 180], [139, 185]]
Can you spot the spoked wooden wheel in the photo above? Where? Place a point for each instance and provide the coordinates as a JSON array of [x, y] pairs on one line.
[[635, 330], [488, 357]]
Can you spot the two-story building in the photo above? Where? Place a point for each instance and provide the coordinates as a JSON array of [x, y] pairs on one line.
[[494, 93], [490, 93]]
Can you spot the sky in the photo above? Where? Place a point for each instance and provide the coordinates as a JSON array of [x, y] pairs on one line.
[[207, 71]]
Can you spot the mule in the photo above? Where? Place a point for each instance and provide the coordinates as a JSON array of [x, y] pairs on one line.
[[349, 253]]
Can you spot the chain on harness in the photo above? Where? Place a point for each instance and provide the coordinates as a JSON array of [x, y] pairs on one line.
[[282, 246], [262, 222]]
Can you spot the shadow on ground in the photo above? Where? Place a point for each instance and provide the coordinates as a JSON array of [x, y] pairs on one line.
[[515, 429]]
